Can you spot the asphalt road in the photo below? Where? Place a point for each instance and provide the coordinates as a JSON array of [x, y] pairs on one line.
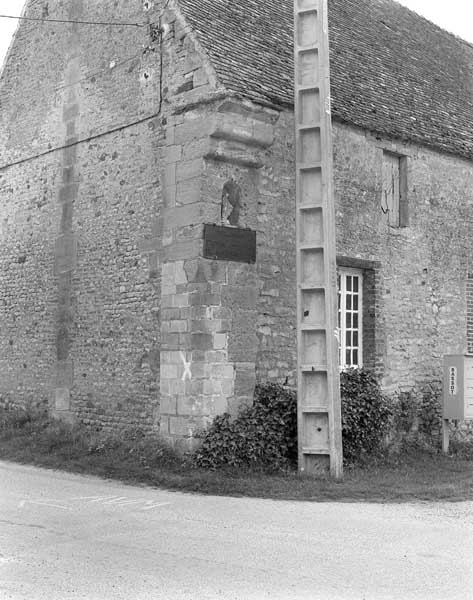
[[66, 537]]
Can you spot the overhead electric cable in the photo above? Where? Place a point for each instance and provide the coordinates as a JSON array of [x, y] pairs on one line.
[[107, 132], [92, 74], [99, 71], [112, 23], [81, 141]]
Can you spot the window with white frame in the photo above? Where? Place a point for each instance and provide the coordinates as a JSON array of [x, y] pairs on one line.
[[350, 314]]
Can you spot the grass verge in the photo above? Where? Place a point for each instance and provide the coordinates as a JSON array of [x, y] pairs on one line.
[[416, 475]]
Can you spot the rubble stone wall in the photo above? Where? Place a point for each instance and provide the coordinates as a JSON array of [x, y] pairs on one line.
[[82, 117]]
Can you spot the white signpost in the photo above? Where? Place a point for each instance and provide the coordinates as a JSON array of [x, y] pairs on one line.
[[319, 419], [457, 392]]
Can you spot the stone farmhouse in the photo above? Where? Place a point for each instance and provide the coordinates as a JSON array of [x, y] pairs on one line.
[[126, 144]]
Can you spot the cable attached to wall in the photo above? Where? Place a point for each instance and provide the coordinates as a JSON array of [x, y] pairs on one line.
[[157, 30], [158, 34], [105, 23], [81, 141], [104, 70]]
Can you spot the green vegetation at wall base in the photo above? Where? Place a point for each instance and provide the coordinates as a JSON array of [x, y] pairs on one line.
[[131, 457]]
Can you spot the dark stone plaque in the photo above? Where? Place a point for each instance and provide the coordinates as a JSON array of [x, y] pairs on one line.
[[229, 243]]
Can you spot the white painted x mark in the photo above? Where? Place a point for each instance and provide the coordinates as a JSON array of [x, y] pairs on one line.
[[187, 367]]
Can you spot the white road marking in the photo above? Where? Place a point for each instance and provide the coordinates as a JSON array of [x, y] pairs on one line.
[[80, 498], [103, 499], [115, 500], [111, 501], [41, 503], [151, 506], [129, 502], [120, 501]]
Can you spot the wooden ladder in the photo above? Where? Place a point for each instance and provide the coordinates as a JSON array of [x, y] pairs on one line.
[[319, 420]]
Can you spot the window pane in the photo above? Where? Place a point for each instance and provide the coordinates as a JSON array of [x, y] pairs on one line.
[[349, 317]]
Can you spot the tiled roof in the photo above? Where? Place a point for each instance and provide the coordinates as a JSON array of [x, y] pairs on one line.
[[249, 43], [393, 72]]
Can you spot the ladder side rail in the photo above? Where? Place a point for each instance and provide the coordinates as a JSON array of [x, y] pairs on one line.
[[319, 417]]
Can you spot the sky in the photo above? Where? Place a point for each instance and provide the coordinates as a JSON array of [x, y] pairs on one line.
[[455, 16], [8, 26]]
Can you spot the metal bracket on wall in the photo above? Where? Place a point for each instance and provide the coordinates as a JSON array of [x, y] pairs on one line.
[[155, 32]]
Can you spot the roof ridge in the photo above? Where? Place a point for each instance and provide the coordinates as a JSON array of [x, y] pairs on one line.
[[436, 25]]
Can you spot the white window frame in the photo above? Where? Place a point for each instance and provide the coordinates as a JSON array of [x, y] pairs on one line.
[[350, 329]]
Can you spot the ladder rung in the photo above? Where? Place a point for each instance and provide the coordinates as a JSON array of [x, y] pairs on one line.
[[312, 368], [307, 9], [309, 126], [309, 206], [311, 247], [303, 49], [313, 327], [309, 166], [312, 285], [315, 451], [308, 88]]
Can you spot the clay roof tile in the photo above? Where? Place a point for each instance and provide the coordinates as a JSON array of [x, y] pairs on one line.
[[392, 71]]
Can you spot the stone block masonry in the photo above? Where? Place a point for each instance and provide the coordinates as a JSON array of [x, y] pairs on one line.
[[208, 320]]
